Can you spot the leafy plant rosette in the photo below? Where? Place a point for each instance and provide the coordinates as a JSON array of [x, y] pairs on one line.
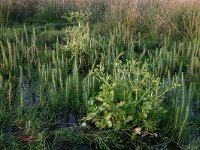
[[130, 100]]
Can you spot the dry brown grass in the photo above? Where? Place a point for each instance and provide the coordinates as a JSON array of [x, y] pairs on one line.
[[160, 12]]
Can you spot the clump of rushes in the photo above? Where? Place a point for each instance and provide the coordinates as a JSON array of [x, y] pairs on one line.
[[130, 99]]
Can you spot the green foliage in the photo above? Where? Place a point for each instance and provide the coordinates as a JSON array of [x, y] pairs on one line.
[[50, 37], [77, 40], [73, 138], [80, 43], [45, 72], [79, 17], [77, 37], [131, 97]]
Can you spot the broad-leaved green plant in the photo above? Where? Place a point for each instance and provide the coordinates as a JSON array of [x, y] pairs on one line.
[[130, 99]]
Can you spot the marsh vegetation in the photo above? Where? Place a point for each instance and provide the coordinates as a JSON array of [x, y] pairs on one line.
[[99, 74]]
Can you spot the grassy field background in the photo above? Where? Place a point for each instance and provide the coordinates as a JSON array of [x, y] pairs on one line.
[[99, 74]]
